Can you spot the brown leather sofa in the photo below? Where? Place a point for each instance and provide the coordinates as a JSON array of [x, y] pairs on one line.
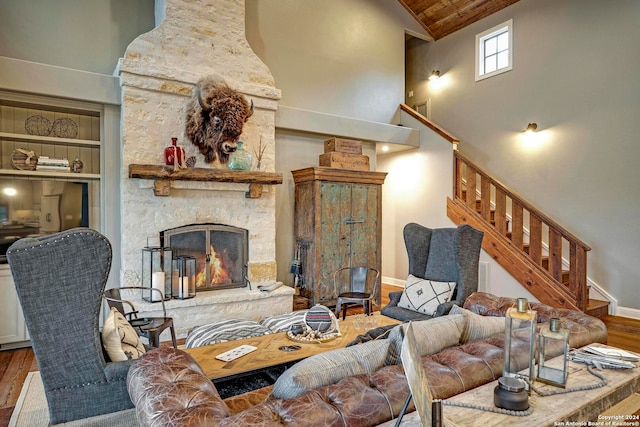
[[169, 388]]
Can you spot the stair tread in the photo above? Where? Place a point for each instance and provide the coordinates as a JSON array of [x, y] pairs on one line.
[[597, 308], [596, 303]]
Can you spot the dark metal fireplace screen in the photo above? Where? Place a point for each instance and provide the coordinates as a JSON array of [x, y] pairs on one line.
[[221, 253]]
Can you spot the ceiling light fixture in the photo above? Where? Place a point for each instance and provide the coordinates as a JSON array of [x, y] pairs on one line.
[[435, 75], [531, 127]]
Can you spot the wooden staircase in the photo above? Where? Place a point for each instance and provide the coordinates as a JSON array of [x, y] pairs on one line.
[[541, 255]]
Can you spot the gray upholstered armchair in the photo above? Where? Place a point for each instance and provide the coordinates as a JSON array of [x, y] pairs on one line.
[[442, 254], [59, 279]]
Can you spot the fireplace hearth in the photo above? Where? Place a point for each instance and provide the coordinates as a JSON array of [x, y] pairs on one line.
[[221, 253]]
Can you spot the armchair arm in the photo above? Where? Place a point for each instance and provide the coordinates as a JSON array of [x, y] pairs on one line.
[[394, 298], [134, 312], [445, 308]]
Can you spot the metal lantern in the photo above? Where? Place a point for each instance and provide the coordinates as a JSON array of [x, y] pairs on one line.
[[183, 277], [156, 273], [519, 343], [553, 342]]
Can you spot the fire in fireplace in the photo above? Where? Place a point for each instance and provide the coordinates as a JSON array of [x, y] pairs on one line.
[[221, 253]]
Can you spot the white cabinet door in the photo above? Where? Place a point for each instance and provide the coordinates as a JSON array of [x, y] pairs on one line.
[[12, 327]]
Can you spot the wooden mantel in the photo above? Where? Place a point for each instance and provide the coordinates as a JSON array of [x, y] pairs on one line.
[[163, 175]]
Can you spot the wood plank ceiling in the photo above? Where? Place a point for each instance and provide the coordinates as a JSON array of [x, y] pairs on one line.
[[443, 17]]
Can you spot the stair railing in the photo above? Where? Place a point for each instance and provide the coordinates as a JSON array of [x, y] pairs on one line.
[[512, 216]]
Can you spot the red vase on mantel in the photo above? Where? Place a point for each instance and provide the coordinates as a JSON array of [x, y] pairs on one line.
[[173, 154]]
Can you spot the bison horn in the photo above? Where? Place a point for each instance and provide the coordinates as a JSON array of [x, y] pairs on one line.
[[201, 100], [250, 110]]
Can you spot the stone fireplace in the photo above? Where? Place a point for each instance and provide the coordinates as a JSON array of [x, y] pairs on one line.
[[157, 75]]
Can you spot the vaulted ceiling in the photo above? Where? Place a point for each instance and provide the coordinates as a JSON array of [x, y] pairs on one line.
[[443, 17]]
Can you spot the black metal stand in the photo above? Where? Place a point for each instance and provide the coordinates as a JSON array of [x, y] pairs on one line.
[[436, 412]]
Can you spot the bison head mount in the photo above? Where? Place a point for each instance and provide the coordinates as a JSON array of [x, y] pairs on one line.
[[215, 117]]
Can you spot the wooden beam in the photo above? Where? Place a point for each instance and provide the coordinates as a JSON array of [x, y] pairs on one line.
[[163, 175]]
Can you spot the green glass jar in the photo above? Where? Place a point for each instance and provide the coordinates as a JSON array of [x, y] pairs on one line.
[[240, 160]]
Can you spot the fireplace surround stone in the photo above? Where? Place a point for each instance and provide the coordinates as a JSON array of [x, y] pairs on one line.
[[157, 75]]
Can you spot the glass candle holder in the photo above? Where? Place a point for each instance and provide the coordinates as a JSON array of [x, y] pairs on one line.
[[156, 273], [553, 342], [183, 277], [519, 342]]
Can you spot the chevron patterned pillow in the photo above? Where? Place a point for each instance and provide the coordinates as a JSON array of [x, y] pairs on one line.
[[225, 330], [424, 295]]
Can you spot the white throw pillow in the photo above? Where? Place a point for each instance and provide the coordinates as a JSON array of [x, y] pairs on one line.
[[119, 338], [424, 295]]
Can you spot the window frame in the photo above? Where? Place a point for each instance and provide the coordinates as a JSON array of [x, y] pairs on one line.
[[479, 52]]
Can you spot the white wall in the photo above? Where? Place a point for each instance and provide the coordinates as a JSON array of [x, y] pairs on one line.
[[416, 189], [335, 57], [87, 35], [575, 72]]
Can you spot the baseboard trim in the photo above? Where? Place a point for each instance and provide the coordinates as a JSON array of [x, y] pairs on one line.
[[393, 281], [633, 313]]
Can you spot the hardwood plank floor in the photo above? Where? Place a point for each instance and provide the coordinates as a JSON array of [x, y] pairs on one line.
[[16, 364]]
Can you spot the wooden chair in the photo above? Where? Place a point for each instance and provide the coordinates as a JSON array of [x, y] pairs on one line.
[[148, 327], [364, 287]]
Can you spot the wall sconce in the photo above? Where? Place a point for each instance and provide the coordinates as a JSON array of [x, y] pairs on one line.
[[531, 127], [435, 75]]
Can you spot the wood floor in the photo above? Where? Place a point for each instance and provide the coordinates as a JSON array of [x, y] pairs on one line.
[[16, 364]]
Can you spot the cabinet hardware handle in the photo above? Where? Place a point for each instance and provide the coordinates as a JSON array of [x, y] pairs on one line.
[[353, 221]]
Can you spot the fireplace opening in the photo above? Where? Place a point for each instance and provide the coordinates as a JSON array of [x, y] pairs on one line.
[[221, 253]]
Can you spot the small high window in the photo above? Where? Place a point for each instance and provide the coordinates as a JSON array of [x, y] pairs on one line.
[[494, 51]]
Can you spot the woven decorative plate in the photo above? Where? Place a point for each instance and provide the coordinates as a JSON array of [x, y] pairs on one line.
[[37, 125], [24, 160], [65, 128]]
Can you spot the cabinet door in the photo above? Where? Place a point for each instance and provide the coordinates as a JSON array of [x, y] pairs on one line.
[[364, 239], [349, 233], [334, 248], [12, 327]]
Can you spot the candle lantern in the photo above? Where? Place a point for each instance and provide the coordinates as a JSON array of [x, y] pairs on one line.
[[156, 273], [519, 343], [553, 342], [183, 277]]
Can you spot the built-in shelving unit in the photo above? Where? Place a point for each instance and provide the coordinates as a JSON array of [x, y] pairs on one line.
[[84, 143], [32, 201], [163, 175]]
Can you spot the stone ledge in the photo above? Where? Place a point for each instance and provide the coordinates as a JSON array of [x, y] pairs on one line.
[[222, 296], [210, 306]]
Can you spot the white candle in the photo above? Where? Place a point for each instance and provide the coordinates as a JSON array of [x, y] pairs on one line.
[[184, 287], [157, 282]]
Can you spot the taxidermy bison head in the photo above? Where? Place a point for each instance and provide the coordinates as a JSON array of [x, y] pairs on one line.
[[215, 117]]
